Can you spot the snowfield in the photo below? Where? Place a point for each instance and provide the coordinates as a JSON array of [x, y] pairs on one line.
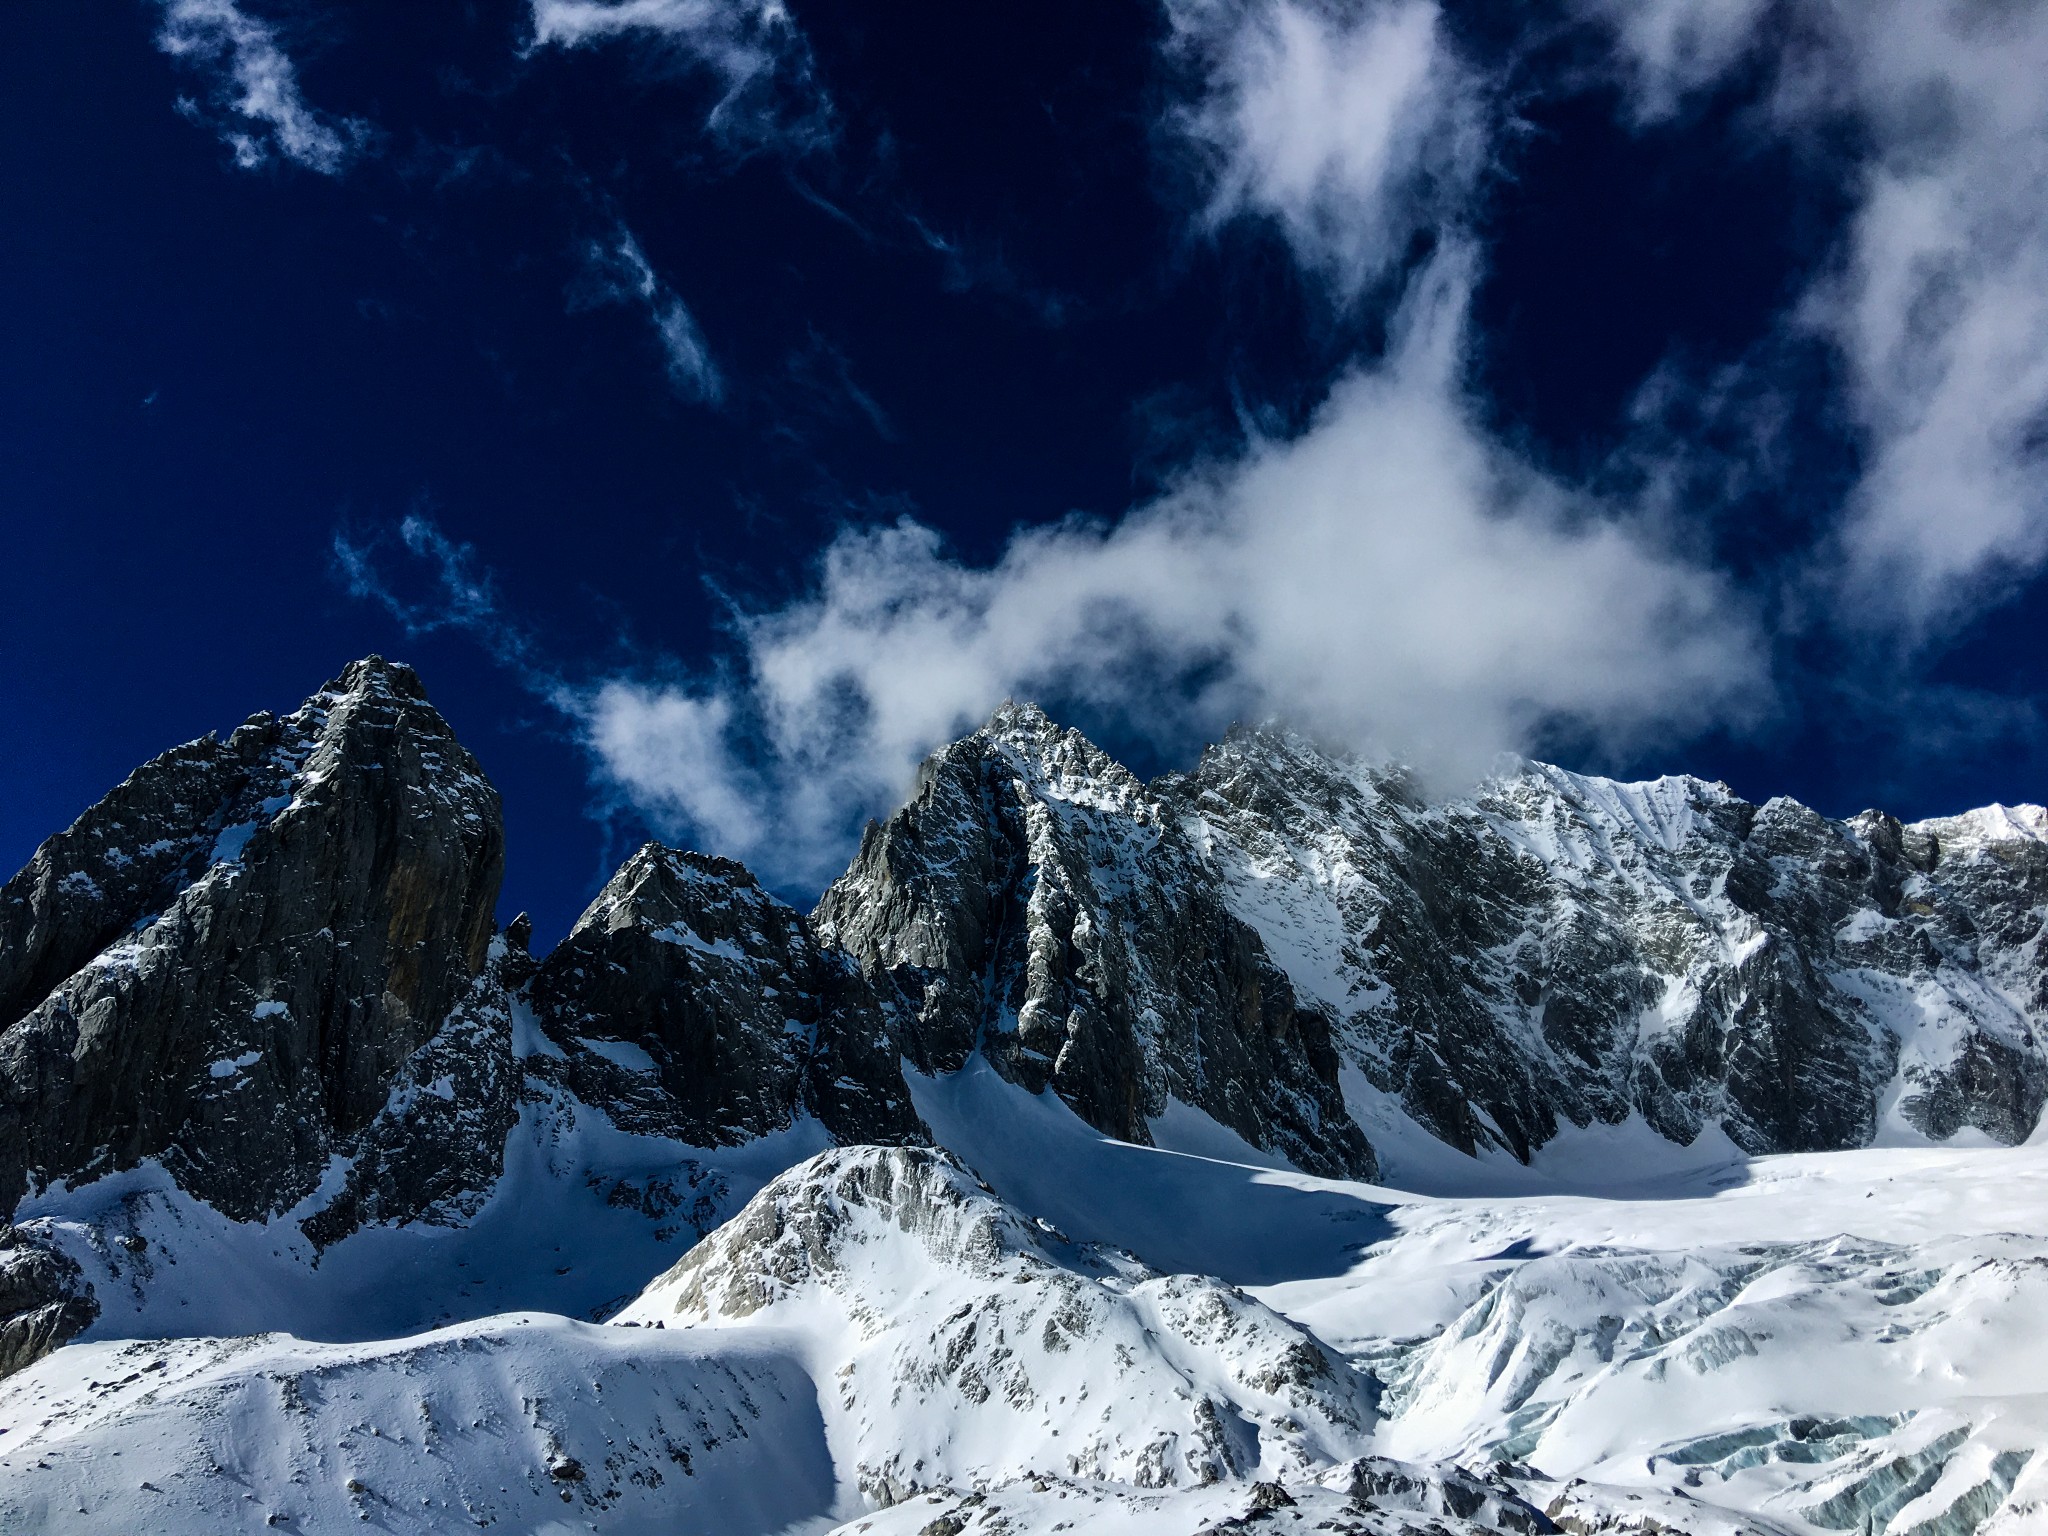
[[582, 1215], [973, 1202], [1047, 1330]]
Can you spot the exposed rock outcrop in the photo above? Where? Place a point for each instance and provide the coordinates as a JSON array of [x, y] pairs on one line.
[[44, 1299], [267, 965], [228, 963], [693, 1004], [1034, 901], [434, 1151]]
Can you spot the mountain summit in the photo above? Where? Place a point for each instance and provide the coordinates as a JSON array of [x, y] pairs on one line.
[[267, 1066]]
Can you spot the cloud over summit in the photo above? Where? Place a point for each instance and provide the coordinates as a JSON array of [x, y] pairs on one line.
[[1406, 571], [1395, 577], [1392, 578]]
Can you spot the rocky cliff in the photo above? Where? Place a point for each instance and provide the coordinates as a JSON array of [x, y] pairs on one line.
[[266, 966], [695, 1005], [1561, 949], [1035, 902], [227, 963]]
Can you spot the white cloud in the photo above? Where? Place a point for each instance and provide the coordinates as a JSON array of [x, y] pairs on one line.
[[1673, 49], [671, 752], [1394, 578], [1391, 577], [1938, 302], [752, 48], [1350, 128], [616, 271], [1941, 305], [259, 88]]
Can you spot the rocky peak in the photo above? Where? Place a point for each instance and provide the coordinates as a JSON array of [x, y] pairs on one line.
[[121, 860], [266, 962], [1058, 762], [694, 1004], [687, 896], [226, 963], [1035, 902], [1020, 720], [2011, 832]]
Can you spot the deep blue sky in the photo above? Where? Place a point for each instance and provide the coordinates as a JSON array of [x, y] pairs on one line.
[[985, 298]]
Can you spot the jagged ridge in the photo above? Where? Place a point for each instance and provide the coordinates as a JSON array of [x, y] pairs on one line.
[[1561, 949], [261, 962]]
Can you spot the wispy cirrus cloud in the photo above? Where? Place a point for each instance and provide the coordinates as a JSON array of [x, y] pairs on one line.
[[753, 50], [461, 594], [255, 104], [1668, 51], [1936, 302], [1350, 129], [616, 271]]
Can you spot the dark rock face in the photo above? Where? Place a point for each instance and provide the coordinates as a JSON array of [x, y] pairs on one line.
[[691, 1003], [1488, 1501], [1035, 902], [229, 962], [435, 1150], [1566, 949], [124, 859], [44, 1300], [1558, 950], [268, 960]]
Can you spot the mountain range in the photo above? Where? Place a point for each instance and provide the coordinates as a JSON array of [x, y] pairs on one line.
[[1272, 1145]]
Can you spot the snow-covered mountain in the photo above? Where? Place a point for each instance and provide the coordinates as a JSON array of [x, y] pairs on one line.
[[1036, 904], [1560, 949], [1014, 1188], [878, 1339]]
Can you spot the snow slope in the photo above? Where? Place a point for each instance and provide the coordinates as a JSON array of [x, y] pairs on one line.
[[583, 1215], [524, 1422], [1809, 1344], [1810, 1341]]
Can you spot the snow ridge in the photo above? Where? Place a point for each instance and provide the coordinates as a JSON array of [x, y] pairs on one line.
[[1559, 950], [1019, 1188]]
